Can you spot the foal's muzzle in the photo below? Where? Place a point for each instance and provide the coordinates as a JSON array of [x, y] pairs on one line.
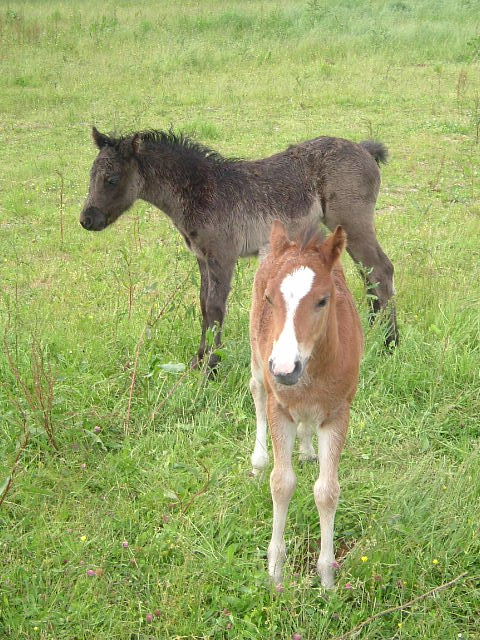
[[93, 219], [288, 378]]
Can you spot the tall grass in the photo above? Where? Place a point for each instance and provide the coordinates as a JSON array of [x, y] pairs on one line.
[[248, 79]]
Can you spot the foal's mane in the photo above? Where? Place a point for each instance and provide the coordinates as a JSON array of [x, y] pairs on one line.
[[309, 237], [177, 141]]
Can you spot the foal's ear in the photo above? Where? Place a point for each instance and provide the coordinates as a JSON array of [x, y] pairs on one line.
[[333, 246], [278, 238], [136, 144], [100, 139]]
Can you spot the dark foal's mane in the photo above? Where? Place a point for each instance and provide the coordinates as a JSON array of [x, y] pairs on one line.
[[182, 142], [189, 149]]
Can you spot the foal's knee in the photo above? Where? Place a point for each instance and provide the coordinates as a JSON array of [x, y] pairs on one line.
[[385, 277], [389, 272], [282, 484], [326, 494]]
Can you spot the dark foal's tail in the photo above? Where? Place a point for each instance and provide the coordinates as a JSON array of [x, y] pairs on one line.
[[376, 149]]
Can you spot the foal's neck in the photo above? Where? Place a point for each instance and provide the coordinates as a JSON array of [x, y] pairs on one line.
[[172, 181]]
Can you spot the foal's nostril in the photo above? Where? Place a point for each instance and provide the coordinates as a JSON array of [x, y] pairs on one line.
[[289, 378], [298, 368], [87, 222]]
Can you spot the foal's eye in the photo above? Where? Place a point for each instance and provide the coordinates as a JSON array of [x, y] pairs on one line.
[[321, 303], [113, 179], [268, 299]]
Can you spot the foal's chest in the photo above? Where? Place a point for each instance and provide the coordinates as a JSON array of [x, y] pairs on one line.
[[191, 240]]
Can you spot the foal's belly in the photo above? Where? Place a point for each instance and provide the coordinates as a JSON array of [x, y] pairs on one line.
[[310, 417], [257, 235]]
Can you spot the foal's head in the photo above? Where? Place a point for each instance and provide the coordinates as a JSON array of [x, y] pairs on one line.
[[115, 181], [300, 291]]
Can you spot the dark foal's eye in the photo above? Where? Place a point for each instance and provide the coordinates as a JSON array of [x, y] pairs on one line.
[[268, 299], [113, 179], [321, 303]]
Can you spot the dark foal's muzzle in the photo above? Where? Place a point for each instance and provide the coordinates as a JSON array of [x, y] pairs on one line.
[[93, 219], [288, 378]]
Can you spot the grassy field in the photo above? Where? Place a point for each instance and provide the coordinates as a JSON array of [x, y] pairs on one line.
[[125, 482]]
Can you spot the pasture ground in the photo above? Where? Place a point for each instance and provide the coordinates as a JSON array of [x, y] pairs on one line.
[[83, 313]]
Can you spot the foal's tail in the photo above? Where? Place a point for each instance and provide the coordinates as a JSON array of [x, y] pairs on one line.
[[376, 149]]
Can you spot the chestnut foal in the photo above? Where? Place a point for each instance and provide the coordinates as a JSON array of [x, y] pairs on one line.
[[307, 343]]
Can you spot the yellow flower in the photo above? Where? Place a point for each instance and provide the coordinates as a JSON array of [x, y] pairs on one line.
[[364, 558], [83, 538], [400, 624], [435, 561]]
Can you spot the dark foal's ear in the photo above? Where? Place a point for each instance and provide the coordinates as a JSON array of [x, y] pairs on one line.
[[136, 144], [333, 246], [278, 238], [100, 139]]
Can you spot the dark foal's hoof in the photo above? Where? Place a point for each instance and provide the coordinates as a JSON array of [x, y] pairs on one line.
[[212, 367], [196, 361], [391, 340], [392, 336]]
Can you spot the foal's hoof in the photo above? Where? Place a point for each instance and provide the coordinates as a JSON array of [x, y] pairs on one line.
[[212, 367], [196, 362], [392, 339], [308, 457]]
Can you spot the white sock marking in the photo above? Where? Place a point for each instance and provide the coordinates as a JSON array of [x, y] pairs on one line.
[[294, 287]]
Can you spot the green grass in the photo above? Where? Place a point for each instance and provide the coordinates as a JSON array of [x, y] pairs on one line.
[[248, 79]]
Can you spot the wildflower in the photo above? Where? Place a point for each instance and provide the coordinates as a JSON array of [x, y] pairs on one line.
[[335, 564], [435, 561], [349, 585], [400, 625], [297, 636], [157, 613], [377, 577], [149, 617], [97, 429], [364, 558], [280, 588], [91, 573], [125, 544], [229, 626], [83, 538]]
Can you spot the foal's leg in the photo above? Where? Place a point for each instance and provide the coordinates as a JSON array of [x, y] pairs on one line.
[[375, 266], [307, 451], [377, 272], [219, 280], [282, 484], [202, 265], [331, 437], [260, 452]]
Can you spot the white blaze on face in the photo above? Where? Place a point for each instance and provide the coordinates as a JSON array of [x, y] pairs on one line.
[[285, 351]]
